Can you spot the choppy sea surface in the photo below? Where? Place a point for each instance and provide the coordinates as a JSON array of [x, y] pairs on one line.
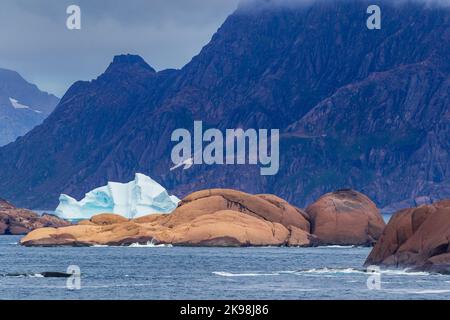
[[149, 272]]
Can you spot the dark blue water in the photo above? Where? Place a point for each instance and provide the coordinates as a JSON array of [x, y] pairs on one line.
[[206, 273]]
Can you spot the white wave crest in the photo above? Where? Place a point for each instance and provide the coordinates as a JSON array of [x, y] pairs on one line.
[[150, 244], [229, 274], [325, 270], [339, 247], [329, 270]]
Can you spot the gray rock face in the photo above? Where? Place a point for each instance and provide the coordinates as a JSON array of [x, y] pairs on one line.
[[360, 109], [22, 106]]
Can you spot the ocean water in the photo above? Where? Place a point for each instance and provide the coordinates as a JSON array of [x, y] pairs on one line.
[[148, 272]]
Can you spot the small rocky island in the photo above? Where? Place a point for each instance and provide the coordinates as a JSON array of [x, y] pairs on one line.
[[15, 221], [222, 217]]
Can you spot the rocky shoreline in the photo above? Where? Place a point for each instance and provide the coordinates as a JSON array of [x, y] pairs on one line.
[[415, 238], [15, 221], [222, 217]]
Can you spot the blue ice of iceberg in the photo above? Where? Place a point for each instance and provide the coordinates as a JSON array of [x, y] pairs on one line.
[[134, 199]]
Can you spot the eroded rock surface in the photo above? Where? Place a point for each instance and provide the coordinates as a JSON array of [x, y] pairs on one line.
[[418, 238]]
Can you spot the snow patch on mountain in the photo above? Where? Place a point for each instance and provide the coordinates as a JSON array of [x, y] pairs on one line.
[[17, 105]]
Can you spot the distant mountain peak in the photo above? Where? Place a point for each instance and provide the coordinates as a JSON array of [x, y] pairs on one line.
[[22, 106], [8, 72], [127, 63]]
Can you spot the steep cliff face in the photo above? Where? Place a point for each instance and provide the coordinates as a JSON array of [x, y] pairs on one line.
[[386, 135], [22, 106], [356, 108]]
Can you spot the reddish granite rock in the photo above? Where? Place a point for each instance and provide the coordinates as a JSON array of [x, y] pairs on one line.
[[301, 238], [416, 238], [345, 217], [107, 219], [214, 217], [224, 228], [266, 207], [222, 217], [17, 221]]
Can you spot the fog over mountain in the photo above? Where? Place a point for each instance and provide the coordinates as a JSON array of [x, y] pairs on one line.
[[38, 45]]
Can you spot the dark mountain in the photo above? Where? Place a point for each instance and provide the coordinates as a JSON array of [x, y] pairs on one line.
[[22, 106], [367, 109]]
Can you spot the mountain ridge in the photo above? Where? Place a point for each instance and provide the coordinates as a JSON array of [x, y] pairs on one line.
[[264, 69]]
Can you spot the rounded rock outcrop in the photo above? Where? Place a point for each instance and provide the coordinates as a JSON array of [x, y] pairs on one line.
[[266, 207], [416, 238], [217, 217], [345, 217], [224, 217]]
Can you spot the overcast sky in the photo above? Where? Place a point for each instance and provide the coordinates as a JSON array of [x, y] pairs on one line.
[[35, 42], [166, 33]]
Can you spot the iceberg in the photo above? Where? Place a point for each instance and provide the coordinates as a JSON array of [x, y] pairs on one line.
[[134, 199]]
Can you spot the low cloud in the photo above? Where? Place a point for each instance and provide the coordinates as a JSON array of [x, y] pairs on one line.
[[36, 43]]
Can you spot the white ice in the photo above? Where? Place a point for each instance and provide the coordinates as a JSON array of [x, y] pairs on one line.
[[140, 197]]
